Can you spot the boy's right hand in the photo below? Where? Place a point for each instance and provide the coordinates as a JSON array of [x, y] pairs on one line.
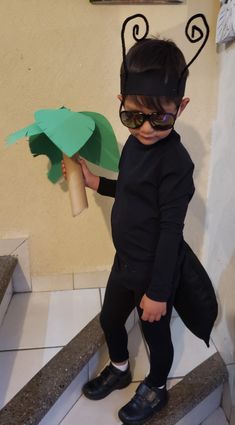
[[91, 180]]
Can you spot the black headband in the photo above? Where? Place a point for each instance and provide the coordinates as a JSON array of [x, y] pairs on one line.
[[153, 82]]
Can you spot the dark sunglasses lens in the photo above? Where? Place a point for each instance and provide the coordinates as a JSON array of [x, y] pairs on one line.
[[131, 119], [162, 121]]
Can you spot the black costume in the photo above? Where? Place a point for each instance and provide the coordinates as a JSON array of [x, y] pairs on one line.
[[152, 194]]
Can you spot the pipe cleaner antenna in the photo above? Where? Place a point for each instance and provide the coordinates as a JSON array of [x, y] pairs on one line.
[[194, 36], [135, 34]]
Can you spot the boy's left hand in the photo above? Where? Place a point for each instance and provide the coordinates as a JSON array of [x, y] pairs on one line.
[[152, 310]]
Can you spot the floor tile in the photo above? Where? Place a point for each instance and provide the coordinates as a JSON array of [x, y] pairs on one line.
[[48, 319], [18, 367], [105, 411], [217, 418], [190, 351]]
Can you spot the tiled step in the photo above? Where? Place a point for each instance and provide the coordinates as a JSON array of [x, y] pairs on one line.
[[7, 267], [52, 392], [191, 400]]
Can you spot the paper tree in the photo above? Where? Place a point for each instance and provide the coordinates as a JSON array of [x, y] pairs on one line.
[[60, 133]]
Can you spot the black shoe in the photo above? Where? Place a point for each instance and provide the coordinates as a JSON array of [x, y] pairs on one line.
[[143, 405], [109, 380]]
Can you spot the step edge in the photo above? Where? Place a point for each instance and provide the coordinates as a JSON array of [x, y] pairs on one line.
[[7, 267], [26, 409], [192, 390]]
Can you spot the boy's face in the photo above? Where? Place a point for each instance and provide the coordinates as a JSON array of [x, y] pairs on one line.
[[146, 134]]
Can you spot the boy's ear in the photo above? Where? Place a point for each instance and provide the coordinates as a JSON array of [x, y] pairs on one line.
[[184, 102], [119, 96]]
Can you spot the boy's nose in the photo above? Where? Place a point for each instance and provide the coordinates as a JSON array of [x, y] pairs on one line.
[[146, 127]]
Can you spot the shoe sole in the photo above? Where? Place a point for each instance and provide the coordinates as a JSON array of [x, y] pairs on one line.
[[143, 421], [117, 387]]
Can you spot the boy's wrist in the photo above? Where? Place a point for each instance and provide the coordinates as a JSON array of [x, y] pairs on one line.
[[94, 183]]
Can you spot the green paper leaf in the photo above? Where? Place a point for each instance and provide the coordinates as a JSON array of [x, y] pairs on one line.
[[68, 130], [30, 130], [42, 145], [101, 149], [61, 130]]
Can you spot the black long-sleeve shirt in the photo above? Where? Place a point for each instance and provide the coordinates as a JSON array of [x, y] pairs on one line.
[[152, 194]]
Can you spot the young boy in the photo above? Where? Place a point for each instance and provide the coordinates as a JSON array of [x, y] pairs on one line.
[[152, 194]]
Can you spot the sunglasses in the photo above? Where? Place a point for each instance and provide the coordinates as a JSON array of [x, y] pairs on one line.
[[160, 121]]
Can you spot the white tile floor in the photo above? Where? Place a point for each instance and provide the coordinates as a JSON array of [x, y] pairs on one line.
[[38, 325]]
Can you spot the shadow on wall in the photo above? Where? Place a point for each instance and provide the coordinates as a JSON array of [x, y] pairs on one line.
[[196, 216]]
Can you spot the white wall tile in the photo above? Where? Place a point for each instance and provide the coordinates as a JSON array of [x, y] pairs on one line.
[[94, 279], [56, 282], [203, 410], [216, 418], [67, 400], [98, 361], [229, 391], [232, 418]]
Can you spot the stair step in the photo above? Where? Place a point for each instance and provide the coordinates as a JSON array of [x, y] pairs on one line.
[[36, 399], [195, 387], [7, 267]]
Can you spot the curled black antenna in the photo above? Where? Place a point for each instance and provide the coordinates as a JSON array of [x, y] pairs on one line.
[[196, 35], [135, 33]]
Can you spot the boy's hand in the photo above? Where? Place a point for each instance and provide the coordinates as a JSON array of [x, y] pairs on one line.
[[152, 310], [90, 179]]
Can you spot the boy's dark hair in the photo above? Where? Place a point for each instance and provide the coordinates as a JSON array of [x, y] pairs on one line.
[[153, 54]]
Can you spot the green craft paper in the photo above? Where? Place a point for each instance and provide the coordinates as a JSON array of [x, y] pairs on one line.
[[68, 130], [30, 130], [101, 148], [61, 130], [41, 145]]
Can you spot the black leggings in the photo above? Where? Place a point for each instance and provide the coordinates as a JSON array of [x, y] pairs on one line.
[[124, 291]]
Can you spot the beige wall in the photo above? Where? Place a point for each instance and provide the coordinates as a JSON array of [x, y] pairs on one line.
[[220, 224], [67, 52]]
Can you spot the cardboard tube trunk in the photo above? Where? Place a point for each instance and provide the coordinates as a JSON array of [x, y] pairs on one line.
[[76, 185]]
